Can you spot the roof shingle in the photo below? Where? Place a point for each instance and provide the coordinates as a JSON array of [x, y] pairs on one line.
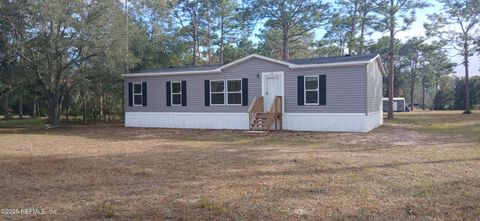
[[303, 61]]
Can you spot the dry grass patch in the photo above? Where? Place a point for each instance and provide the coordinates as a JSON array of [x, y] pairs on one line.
[[399, 171]]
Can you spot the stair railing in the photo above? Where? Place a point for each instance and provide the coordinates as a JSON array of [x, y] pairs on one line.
[[255, 107], [275, 114]]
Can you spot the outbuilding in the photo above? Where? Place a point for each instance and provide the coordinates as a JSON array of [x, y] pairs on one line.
[[399, 104]]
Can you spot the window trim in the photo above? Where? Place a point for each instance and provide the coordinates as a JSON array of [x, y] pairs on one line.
[[233, 92], [141, 93], [211, 92], [172, 93], [305, 90]]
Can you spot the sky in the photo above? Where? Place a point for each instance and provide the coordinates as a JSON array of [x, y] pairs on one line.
[[416, 29]]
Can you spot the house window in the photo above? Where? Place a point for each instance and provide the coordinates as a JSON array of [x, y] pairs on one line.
[[311, 90], [176, 93], [137, 94], [234, 92], [217, 92]]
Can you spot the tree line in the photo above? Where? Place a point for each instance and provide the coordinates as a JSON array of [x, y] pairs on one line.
[[65, 58]]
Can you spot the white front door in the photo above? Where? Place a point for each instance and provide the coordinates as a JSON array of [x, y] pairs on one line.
[[272, 86]]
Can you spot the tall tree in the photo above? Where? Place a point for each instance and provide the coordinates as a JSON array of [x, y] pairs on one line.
[[189, 14], [395, 16], [459, 24], [338, 33], [233, 22], [427, 62], [292, 18], [67, 35], [349, 11], [412, 54]]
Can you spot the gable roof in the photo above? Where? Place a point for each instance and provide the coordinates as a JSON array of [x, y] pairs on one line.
[[292, 64]]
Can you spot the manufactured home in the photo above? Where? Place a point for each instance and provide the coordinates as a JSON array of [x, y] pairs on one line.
[[341, 93], [399, 104]]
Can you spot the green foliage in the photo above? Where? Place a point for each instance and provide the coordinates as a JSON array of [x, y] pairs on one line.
[[22, 123], [459, 25], [289, 23], [445, 95], [459, 92], [67, 57]]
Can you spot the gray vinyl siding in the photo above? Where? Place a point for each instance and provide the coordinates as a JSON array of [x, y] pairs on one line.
[[156, 85], [374, 88], [346, 89]]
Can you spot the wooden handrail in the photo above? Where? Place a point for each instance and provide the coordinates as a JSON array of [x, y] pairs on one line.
[[255, 107], [275, 113]]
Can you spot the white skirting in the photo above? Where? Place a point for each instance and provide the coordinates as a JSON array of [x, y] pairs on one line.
[[187, 120], [341, 122], [348, 122]]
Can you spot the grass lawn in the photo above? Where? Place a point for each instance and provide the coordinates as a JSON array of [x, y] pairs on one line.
[[420, 166]]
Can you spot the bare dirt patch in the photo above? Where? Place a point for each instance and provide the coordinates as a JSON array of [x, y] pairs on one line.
[[108, 171]]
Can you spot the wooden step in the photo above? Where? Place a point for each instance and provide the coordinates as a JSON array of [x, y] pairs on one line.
[[258, 128], [256, 132]]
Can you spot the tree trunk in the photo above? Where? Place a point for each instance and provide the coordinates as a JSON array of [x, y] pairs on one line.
[[391, 63], [53, 104], [362, 34], [423, 94], [84, 111], [101, 108], [6, 106], [194, 38], [34, 109], [209, 41], [467, 86], [353, 24], [285, 50], [412, 90], [363, 22], [20, 105], [67, 116], [222, 46]]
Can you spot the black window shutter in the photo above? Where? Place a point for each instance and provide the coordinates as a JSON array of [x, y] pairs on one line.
[[144, 93], [300, 90], [244, 91], [130, 94], [207, 92], [322, 89], [169, 93], [184, 93]]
